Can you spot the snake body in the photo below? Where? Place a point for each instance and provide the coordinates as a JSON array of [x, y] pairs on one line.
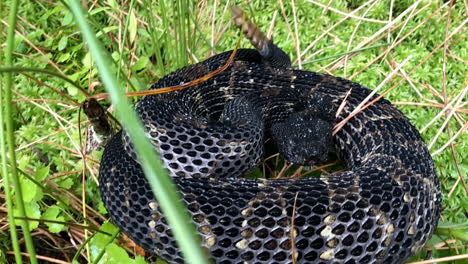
[[382, 209]]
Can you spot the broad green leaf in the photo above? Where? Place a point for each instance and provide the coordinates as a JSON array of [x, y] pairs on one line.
[[67, 19], [23, 162], [87, 60], [115, 56], [42, 173], [47, 14], [50, 42], [36, 34], [29, 190], [63, 57], [32, 211], [139, 260], [65, 183], [161, 261], [101, 208], [62, 43], [21, 47], [100, 240], [141, 63], [116, 254], [52, 213], [72, 91]]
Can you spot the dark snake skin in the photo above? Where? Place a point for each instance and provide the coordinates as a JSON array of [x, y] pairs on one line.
[[383, 209]]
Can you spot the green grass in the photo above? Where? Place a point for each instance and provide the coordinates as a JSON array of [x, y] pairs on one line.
[[147, 39]]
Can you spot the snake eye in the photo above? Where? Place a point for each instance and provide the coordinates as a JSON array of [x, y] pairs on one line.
[[303, 139]]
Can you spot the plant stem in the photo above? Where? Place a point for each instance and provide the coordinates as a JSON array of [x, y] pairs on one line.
[[7, 122]]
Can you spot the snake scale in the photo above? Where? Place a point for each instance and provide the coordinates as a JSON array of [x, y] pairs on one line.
[[382, 209]]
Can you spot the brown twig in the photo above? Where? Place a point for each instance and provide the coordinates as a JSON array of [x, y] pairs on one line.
[[292, 232], [181, 86], [52, 260]]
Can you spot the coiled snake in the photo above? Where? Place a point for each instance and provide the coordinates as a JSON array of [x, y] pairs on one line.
[[382, 209]]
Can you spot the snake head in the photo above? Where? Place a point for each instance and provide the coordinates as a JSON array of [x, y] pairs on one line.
[[304, 138]]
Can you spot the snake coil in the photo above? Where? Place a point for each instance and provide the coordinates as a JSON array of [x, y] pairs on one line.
[[382, 209]]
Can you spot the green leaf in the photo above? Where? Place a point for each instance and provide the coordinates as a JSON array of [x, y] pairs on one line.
[[47, 14], [113, 4], [42, 173], [107, 30], [110, 29], [99, 241], [49, 42], [52, 213], [71, 90], [63, 57], [161, 261], [67, 19], [116, 254], [23, 162], [29, 190], [132, 26], [87, 61], [65, 183], [101, 208], [115, 56], [140, 64], [32, 211], [62, 43], [21, 48], [139, 260], [255, 173], [99, 10]]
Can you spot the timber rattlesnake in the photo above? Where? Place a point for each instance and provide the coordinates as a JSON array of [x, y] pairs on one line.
[[381, 210]]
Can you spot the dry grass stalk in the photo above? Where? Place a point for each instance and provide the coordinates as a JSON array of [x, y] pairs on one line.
[[438, 260], [361, 106]]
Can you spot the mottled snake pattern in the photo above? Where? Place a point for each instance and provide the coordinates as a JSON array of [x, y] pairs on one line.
[[382, 209]]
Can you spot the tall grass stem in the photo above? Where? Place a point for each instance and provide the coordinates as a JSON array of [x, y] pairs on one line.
[[7, 136]]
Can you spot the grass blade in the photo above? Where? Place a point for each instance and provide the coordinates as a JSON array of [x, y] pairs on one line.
[[6, 135]]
